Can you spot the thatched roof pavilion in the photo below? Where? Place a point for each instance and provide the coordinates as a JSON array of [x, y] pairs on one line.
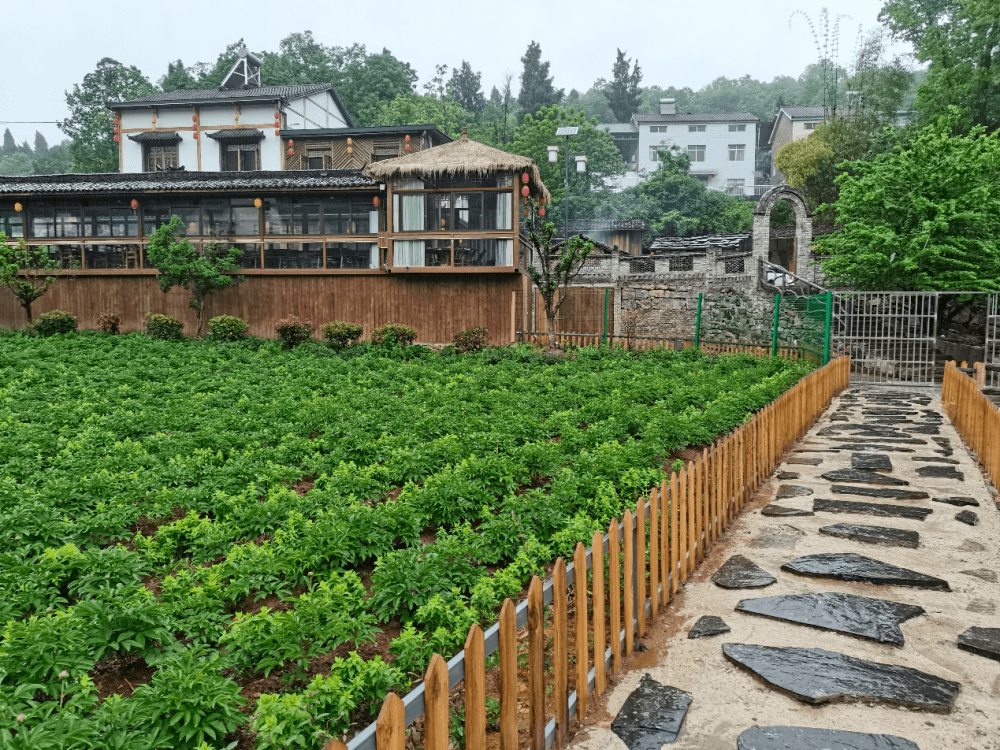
[[458, 158]]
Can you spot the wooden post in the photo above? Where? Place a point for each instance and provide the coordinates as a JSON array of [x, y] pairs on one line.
[[692, 483], [600, 641], [582, 630], [390, 727], [560, 651], [475, 688], [640, 565], [628, 566], [436, 705], [674, 529], [654, 552], [665, 541], [615, 595], [681, 496], [508, 676], [536, 665]]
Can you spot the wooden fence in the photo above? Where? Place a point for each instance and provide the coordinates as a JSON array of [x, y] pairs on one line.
[[973, 414], [638, 570], [540, 338]]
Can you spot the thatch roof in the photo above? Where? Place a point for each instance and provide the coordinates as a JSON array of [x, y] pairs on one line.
[[461, 157]]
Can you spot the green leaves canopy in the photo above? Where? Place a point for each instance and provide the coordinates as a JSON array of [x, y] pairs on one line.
[[924, 217]]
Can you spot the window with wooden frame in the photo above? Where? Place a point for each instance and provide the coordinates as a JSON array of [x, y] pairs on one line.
[[161, 158], [383, 150], [240, 157], [317, 159]]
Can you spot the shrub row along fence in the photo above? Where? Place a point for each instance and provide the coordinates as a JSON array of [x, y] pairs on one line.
[[636, 570], [709, 346], [973, 414]]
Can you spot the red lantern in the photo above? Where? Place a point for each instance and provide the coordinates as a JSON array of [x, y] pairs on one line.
[[277, 132], [525, 191], [541, 212], [277, 123], [407, 139], [194, 118], [524, 177], [116, 139], [406, 147], [134, 204], [291, 152], [375, 201], [115, 128], [291, 142], [195, 135]]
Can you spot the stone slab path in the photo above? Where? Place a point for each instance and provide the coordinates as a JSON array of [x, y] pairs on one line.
[[837, 663]]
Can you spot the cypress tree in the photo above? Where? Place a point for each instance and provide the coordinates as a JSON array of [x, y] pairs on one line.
[[536, 84]]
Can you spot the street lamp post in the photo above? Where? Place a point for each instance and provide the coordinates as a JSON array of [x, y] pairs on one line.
[[581, 166]]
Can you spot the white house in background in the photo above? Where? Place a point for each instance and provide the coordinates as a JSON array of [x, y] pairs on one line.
[[792, 124], [241, 126], [722, 145]]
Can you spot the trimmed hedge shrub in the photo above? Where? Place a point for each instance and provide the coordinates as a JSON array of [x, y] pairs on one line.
[[341, 334], [161, 326], [471, 340], [293, 331], [51, 323], [227, 328], [109, 322], [393, 333]]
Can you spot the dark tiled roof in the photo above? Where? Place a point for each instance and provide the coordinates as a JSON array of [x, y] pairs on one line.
[[436, 134], [698, 244], [113, 182], [155, 136], [699, 117], [606, 225], [805, 113], [237, 134]]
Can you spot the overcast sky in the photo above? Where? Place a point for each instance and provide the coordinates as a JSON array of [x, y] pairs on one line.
[[57, 42]]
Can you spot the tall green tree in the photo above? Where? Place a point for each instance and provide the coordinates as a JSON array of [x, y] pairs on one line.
[[414, 109], [960, 42], [27, 271], [41, 145], [179, 263], [465, 87], [177, 77], [9, 144], [89, 123], [623, 91], [924, 217], [366, 83], [56, 160], [537, 90]]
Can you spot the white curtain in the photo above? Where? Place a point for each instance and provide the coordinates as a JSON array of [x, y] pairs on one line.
[[413, 213], [505, 251], [373, 256], [408, 253], [504, 213], [373, 222]]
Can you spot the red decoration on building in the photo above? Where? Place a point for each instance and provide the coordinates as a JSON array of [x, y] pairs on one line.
[[194, 118], [291, 152], [134, 204], [541, 212], [291, 142], [407, 139], [116, 139], [406, 147], [195, 135], [375, 201], [525, 191], [524, 177], [277, 132]]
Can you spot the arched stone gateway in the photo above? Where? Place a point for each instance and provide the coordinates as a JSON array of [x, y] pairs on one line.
[[803, 227]]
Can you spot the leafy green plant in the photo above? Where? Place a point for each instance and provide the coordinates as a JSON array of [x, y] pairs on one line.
[[160, 326], [51, 323], [227, 328], [292, 331], [109, 322], [394, 333], [471, 340], [341, 335], [27, 270]]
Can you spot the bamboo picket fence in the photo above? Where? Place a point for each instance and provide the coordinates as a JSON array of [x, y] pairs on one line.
[[540, 338], [641, 562], [973, 414]]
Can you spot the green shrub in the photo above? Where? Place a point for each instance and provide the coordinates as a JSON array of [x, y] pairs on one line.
[[227, 328], [393, 333], [109, 322], [293, 331], [161, 326], [471, 340], [341, 335], [51, 323]]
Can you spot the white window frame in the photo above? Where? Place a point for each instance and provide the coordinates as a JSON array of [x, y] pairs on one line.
[[696, 128], [737, 128], [810, 125], [737, 151], [657, 128], [697, 153]]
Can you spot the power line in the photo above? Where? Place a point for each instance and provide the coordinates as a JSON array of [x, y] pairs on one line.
[[31, 122]]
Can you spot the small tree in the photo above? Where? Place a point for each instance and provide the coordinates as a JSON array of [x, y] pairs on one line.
[[180, 264], [27, 270], [553, 266]]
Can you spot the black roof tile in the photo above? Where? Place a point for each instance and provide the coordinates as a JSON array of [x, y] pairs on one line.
[[237, 134], [699, 117], [155, 136]]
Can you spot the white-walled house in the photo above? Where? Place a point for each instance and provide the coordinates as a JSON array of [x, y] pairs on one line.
[[792, 124], [722, 145]]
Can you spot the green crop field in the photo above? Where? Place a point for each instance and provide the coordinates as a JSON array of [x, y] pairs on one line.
[[203, 545]]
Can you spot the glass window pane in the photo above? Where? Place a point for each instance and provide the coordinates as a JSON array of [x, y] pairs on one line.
[[484, 252], [246, 218], [111, 256], [43, 222], [293, 255], [351, 255], [279, 218], [11, 223], [68, 256], [438, 212], [249, 254], [307, 219], [216, 219], [437, 253]]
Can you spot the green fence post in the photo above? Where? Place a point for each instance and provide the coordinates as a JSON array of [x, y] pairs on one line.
[[604, 333], [697, 323], [827, 326], [774, 330]]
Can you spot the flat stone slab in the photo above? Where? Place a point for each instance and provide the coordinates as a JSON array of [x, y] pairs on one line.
[[959, 501], [806, 738], [982, 606], [874, 619], [941, 472], [847, 566], [935, 459], [739, 572], [967, 517], [708, 626], [873, 534], [982, 641], [924, 429], [792, 490], [984, 573], [904, 438], [814, 675], [869, 509], [804, 461], [652, 715], [875, 447], [780, 511], [871, 461], [888, 493], [787, 475], [970, 546], [862, 476]]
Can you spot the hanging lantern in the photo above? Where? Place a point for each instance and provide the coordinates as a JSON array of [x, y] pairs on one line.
[[18, 207], [194, 118], [524, 177], [277, 123], [153, 119], [257, 203], [350, 150], [291, 142], [525, 191], [407, 139], [117, 139], [291, 152], [115, 129], [277, 114], [375, 201], [277, 132], [541, 211], [350, 141], [134, 204], [406, 147], [195, 135]]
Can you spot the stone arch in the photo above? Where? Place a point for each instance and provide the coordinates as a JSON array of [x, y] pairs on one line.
[[803, 226]]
